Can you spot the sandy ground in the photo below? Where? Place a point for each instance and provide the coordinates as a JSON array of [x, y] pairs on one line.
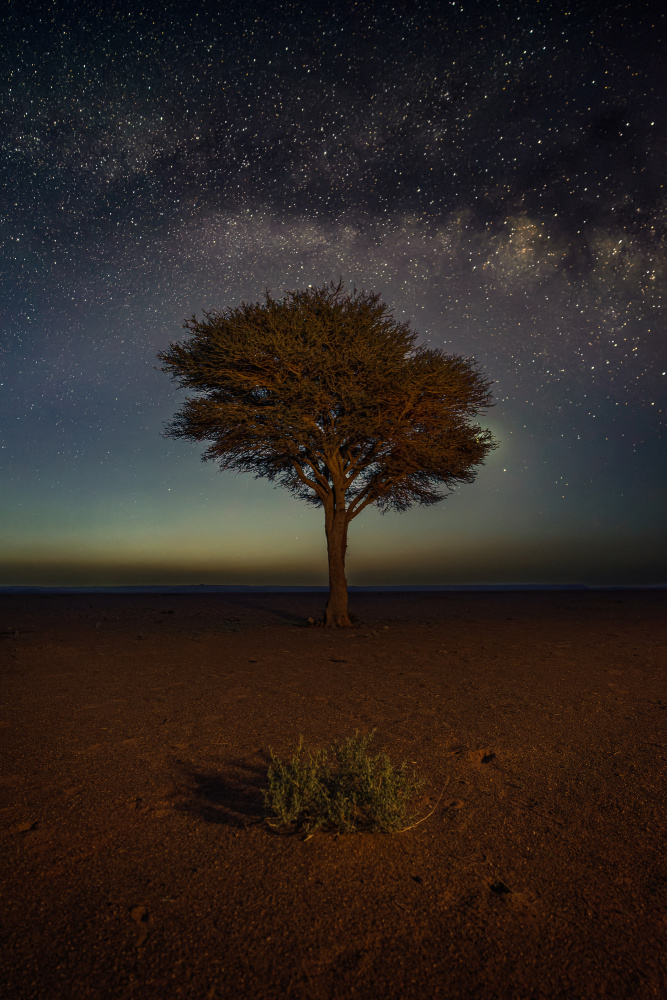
[[135, 862]]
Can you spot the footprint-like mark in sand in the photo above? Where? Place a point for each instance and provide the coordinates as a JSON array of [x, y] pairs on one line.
[[485, 756], [141, 917]]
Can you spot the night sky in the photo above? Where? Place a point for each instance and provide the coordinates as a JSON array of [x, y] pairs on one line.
[[496, 171]]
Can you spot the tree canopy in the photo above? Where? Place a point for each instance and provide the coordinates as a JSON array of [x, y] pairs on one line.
[[326, 394]]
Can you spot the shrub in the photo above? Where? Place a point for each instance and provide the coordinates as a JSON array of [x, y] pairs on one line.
[[342, 789]]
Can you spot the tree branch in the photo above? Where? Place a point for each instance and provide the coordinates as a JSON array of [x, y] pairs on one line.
[[315, 487], [322, 480], [352, 513]]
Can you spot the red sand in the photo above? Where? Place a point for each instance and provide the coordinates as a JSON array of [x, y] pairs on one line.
[[135, 735]]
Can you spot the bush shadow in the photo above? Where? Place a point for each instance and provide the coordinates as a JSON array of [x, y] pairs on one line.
[[231, 795]]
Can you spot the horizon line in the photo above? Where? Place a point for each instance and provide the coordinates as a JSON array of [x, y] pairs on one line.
[[204, 588]]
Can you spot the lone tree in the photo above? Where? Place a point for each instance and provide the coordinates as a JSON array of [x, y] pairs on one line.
[[325, 393]]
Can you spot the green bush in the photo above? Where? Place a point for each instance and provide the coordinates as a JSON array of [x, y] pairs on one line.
[[342, 789]]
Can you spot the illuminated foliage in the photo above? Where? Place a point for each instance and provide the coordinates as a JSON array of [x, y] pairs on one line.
[[324, 393]]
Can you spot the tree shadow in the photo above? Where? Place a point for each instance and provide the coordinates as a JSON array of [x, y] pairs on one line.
[[232, 796], [294, 618]]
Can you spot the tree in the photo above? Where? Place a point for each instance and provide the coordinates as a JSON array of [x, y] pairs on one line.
[[324, 393]]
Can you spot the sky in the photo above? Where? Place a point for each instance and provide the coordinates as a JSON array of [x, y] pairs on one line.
[[495, 171]]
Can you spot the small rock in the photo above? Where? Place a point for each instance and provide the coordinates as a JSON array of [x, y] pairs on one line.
[[26, 827]]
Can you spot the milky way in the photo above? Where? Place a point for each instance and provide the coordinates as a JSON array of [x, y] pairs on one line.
[[495, 171]]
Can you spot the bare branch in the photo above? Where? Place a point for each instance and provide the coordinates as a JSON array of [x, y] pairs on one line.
[[315, 487]]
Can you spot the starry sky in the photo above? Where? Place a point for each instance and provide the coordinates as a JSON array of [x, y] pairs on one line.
[[496, 171]]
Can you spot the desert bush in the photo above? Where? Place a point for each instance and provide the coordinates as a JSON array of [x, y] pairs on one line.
[[341, 789]]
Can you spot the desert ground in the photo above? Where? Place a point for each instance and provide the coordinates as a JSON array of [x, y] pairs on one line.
[[136, 858]]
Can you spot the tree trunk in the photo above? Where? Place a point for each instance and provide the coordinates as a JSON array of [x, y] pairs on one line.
[[337, 611]]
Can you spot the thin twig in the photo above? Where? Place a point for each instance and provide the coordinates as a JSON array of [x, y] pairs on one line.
[[405, 829]]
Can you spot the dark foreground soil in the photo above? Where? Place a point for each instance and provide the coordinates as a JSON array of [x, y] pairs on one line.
[[135, 862]]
